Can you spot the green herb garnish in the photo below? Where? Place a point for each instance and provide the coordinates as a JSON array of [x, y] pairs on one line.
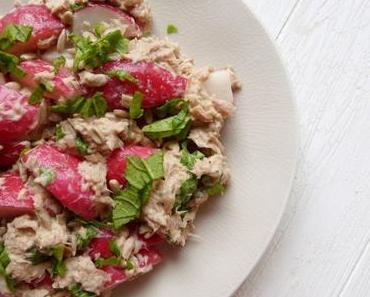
[[187, 190], [14, 33], [76, 6], [76, 291], [122, 75], [216, 189], [84, 240], [171, 29], [10, 64], [189, 159], [81, 146], [58, 63], [47, 176], [177, 125], [135, 107], [114, 248], [101, 262], [59, 133]]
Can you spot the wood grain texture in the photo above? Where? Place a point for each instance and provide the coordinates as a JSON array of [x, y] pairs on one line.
[[322, 245]]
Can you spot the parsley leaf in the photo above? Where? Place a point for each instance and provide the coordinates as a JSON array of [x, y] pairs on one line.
[[114, 248], [81, 146], [59, 267], [135, 107], [101, 262], [122, 75], [37, 95], [46, 176], [84, 240], [87, 107], [186, 193], [215, 189], [76, 291], [177, 125], [4, 262], [169, 108], [189, 159], [9, 64], [95, 53], [59, 62], [140, 175], [127, 208], [13, 33], [171, 29], [59, 133], [36, 257]]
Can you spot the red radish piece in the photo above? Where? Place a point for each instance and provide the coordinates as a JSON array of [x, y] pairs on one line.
[[9, 154], [117, 276], [97, 13], [117, 161], [61, 87], [17, 117], [45, 26], [15, 198], [99, 246], [157, 84], [44, 281], [147, 259], [66, 180]]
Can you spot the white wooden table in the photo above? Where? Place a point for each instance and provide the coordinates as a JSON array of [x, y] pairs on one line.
[[322, 246]]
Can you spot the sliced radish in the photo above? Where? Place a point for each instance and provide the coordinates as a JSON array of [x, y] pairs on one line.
[[46, 27], [219, 84], [9, 154], [15, 198], [97, 13]]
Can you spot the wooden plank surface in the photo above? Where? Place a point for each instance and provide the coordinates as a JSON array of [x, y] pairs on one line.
[[322, 246]]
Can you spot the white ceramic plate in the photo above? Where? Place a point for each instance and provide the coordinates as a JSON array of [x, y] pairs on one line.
[[261, 143]]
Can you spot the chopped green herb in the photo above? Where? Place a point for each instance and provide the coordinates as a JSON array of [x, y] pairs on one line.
[[114, 248], [129, 265], [171, 29], [177, 125], [189, 159], [4, 262], [58, 63], [87, 107], [101, 262], [122, 75], [38, 93], [215, 189], [59, 267], [9, 64], [76, 291], [135, 107], [99, 29], [13, 33], [186, 193], [95, 53], [140, 175], [81, 146], [46, 176], [170, 108], [84, 240], [59, 133], [127, 207], [76, 6]]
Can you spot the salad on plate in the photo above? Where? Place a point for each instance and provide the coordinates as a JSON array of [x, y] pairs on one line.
[[109, 144]]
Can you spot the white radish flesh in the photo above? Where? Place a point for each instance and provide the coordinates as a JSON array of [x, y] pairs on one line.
[[219, 84], [95, 14]]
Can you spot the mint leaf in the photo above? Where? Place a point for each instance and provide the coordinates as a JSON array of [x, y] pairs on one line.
[[186, 193], [76, 291], [84, 240], [81, 146], [135, 107], [4, 262], [127, 208], [13, 33], [136, 173], [46, 175], [189, 159], [36, 257], [154, 165], [112, 261], [59, 133], [177, 125], [170, 108], [38, 93], [99, 104], [114, 248], [96, 53], [58, 63], [216, 189], [99, 29], [59, 267], [122, 75], [76, 6], [9, 64], [171, 29]]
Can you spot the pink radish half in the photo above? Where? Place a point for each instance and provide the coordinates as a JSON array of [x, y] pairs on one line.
[[9, 154], [44, 24], [17, 117], [97, 13], [15, 198]]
